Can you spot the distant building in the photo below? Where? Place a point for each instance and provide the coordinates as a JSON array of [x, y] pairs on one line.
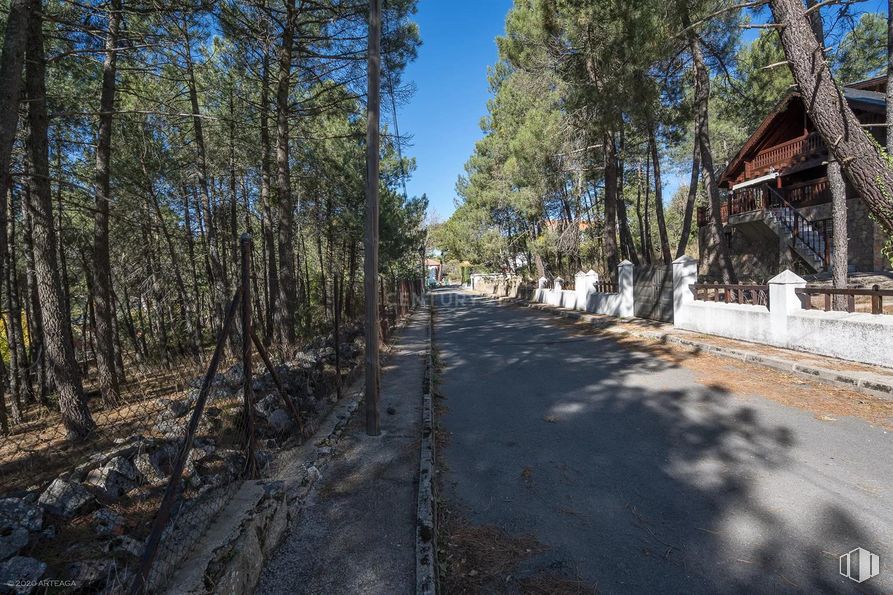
[[435, 270], [776, 212]]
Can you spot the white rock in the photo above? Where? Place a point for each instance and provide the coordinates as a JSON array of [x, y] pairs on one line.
[[65, 498]]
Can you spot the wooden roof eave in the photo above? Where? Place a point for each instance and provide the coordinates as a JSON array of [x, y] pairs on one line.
[[737, 162]]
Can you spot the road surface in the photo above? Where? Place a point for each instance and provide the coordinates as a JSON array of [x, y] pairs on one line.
[[634, 476]]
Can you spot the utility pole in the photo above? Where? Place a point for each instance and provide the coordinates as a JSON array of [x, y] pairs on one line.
[[370, 261]]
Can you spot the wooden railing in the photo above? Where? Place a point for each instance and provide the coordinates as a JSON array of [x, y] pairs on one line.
[[811, 192], [876, 297], [605, 287], [779, 155], [752, 198], [735, 293]]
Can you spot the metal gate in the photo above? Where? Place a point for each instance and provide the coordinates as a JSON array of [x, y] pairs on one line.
[[653, 292]]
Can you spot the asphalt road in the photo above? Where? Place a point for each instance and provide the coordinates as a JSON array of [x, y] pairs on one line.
[[637, 478]]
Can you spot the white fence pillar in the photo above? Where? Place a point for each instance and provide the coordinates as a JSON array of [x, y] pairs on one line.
[[541, 284], [581, 288], [625, 289], [557, 284], [783, 302], [685, 273]]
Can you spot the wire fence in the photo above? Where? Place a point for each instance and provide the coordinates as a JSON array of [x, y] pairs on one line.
[[120, 510]]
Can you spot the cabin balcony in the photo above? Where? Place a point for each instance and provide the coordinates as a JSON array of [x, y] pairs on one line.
[[757, 198], [764, 207], [783, 156]]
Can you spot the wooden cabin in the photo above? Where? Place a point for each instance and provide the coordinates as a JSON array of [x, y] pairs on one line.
[[776, 209]]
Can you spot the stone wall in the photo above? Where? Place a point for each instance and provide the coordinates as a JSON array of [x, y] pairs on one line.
[[497, 285], [866, 239], [757, 257]]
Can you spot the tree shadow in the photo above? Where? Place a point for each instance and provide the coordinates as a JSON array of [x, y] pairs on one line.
[[633, 473]]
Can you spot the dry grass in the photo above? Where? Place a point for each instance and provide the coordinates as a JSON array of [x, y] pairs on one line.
[[548, 583], [478, 558], [38, 450], [825, 401]]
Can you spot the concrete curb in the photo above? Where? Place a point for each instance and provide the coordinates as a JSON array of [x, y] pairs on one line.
[[872, 387], [426, 543]]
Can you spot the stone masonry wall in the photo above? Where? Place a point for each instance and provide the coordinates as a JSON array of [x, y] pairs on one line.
[[757, 259]]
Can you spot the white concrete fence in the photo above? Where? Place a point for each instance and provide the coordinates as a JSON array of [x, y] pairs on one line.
[[860, 337], [854, 336], [586, 298]]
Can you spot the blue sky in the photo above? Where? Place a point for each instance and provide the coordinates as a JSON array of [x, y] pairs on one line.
[[450, 74]]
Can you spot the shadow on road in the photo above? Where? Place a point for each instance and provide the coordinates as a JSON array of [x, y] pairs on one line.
[[634, 476]]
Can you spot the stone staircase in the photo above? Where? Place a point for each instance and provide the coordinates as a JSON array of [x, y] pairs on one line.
[[808, 242]]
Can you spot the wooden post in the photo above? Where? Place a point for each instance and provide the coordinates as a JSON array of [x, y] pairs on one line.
[[250, 450], [370, 264], [336, 321]]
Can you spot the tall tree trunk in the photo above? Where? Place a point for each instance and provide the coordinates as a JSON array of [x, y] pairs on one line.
[[649, 237], [266, 200], [35, 318], [889, 115], [233, 187], [12, 61], [102, 266], [690, 199], [659, 200], [642, 217], [867, 170], [702, 133], [351, 280], [286, 313], [840, 246], [200, 218], [837, 185], [610, 231], [59, 346], [15, 384], [626, 236], [60, 226], [175, 262], [193, 268], [17, 346], [4, 417]]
